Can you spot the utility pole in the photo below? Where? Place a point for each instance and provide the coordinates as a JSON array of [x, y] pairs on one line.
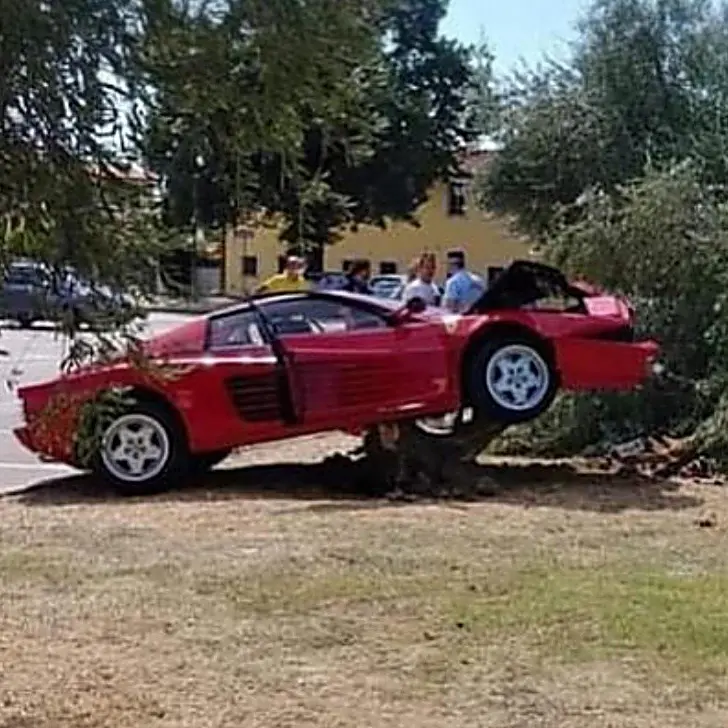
[[198, 233]]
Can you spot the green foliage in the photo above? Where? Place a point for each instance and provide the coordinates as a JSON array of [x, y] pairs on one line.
[[644, 87], [66, 70], [616, 162], [484, 98], [94, 418], [663, 242], [365, 107]]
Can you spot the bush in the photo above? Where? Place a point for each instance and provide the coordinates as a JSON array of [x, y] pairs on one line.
[[663, 242]]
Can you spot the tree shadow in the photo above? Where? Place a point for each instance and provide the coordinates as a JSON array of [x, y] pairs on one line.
[[333, 485], [562, 485]]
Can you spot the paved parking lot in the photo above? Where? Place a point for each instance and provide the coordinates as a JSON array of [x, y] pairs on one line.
[[33, 356]]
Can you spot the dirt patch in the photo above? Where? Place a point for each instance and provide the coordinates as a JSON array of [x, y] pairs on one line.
[[269, 596]]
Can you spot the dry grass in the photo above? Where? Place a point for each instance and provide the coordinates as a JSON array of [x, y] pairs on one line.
[[564, 601]]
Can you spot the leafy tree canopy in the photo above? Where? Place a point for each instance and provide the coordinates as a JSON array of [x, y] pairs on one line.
[[616, 161], [644, 86], [66, 70], [328, 113]]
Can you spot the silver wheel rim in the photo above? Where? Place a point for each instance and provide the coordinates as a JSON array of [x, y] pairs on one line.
[[517, 378], [135, 448]]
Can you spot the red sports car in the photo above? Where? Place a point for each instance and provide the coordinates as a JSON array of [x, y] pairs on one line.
[[284, 365]]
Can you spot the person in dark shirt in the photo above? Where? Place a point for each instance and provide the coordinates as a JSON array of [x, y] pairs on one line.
[[357, 279]]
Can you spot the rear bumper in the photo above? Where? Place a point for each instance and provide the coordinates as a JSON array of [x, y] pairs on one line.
[[594, 364]]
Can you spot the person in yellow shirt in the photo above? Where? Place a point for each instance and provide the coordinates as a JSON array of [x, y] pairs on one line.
[[291, 279]]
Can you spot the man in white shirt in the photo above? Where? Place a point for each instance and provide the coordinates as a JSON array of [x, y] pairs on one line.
[[423, 286], [462, 288]]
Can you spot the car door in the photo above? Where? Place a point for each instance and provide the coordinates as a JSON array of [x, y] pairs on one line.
[[350, 365], [240, 388]]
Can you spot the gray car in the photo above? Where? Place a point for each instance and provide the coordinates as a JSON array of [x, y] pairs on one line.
[[32, 291]]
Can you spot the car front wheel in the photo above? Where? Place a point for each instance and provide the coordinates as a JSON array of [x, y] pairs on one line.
[[512, 380], [143, 451]]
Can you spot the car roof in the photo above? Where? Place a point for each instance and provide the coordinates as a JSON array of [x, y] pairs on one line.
[[361, 299]]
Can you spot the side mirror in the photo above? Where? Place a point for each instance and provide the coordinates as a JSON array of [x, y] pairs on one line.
[[412, 307], [416, 305]]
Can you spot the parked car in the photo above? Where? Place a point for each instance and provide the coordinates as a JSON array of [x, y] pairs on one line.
[[32, 291], [285, 365], [388, 286], [327, 281]]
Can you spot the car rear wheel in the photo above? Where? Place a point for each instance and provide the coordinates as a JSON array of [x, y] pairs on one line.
[[512, 380], [143, 451]]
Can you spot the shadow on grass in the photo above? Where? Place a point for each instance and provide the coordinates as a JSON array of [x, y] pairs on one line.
[[333, 485]]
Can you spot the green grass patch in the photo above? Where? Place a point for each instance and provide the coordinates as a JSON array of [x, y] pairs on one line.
[[578, 614]]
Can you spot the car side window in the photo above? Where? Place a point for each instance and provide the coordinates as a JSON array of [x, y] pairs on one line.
[[236, 329], [317, 316]]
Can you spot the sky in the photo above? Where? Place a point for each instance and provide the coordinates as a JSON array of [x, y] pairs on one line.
[[515, 29]]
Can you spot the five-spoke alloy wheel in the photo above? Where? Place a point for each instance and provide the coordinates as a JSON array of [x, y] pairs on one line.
[[512, 379], [135, 448], [142, 451], [517, 377]]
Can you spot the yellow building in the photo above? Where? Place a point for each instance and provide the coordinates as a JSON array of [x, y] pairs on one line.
[[448, 219]]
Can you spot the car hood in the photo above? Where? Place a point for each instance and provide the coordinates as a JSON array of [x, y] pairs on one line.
[[524, 282]]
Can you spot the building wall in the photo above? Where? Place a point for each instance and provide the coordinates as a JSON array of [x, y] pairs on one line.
[[484, 239], [263, 246]]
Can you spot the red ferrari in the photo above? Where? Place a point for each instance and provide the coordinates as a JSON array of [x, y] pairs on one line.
[[284, 365]]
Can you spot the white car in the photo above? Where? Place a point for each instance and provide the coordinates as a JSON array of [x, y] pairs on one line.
[[388, 286]]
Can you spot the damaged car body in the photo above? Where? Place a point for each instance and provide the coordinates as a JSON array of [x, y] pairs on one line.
[[279, 366]]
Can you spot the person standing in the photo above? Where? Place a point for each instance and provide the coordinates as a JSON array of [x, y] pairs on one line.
[[292, 278], [412, 269], [423, 285], [462, 288], [357, 279]]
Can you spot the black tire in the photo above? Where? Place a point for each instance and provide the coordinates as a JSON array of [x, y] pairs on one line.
[[25, 320], [173, 466], [204, 462], [495, 406]]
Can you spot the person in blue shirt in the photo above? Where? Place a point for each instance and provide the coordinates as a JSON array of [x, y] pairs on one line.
[[462, 288]]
